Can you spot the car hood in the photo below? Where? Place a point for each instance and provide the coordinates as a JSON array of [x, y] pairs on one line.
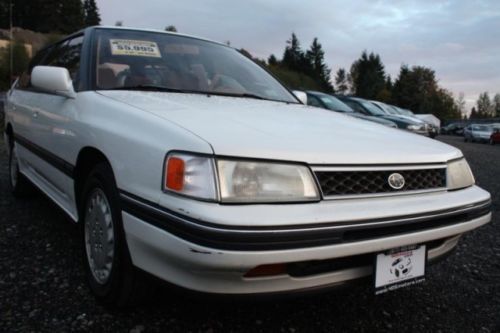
[[293, 132]]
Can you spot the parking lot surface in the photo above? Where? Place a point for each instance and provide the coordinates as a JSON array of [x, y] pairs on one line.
[[42, 286]]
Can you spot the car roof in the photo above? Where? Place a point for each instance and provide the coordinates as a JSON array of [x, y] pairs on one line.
[[108, 27]]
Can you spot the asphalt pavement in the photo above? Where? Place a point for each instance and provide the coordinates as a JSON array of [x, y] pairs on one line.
[[42, 286]]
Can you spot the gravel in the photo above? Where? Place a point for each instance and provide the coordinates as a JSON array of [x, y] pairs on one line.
[[42, 286]]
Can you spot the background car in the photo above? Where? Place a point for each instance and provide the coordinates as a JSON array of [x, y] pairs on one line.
[[477, 133], [430, 120], [453, 129], [319, 99], [395, 111], [495, 135], [366, 107]]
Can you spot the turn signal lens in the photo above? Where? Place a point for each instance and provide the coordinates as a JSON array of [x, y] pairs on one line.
[[175, 174], [190, 175]]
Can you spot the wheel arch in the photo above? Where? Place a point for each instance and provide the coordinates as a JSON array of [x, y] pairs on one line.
[[87, 159]]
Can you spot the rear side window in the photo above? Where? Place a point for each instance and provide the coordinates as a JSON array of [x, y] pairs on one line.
[[67, 55]]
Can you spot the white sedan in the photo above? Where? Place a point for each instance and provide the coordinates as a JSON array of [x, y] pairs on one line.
[[183, 158]]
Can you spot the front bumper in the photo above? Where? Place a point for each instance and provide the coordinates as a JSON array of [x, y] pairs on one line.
[[215, 258]]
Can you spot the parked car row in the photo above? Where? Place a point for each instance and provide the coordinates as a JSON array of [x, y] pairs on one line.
[[482, 133], [374, 111]]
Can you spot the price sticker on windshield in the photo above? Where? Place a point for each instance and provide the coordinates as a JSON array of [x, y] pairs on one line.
[[138, 48]]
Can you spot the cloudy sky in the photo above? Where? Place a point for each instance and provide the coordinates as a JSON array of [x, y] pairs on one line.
[[459, 39]]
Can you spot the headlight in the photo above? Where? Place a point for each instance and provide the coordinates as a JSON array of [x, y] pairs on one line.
[[190, 175], [414, 127], [459, 175], [260, 182]]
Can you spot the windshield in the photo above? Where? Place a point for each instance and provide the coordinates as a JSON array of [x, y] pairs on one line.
[[334, 104], [372, 108], [129, 59], [387, 109], [406, 112]]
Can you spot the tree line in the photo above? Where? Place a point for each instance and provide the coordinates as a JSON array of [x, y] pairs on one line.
[[486, 107], [415, 88], [48, 16]]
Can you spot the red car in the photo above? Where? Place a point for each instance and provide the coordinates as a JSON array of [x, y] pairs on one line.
[[495, 136]]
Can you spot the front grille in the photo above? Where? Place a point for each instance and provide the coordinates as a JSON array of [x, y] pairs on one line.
[[337, 183]]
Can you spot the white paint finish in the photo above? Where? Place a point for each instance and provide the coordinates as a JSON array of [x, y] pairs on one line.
[[40, 173], [54, 80], [273, 130], [221, 271]]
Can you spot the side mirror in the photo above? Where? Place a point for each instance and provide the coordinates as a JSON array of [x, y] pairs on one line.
[[55, 80], [302, 96]]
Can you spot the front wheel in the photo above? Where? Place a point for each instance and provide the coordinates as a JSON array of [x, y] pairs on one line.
[[108, 265]]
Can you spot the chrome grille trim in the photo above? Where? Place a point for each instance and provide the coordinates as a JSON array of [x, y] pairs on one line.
[[349, 182]]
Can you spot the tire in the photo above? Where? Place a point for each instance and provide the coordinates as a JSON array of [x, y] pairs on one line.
[[111, 277], [19, 185], [465, 139]]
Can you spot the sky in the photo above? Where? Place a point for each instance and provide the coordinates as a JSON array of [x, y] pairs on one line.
[[459, 39]]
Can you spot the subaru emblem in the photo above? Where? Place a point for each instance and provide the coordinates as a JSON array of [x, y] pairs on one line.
[[396, 181]]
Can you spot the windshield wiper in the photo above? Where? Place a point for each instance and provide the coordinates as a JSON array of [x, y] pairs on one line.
[[247, 95]]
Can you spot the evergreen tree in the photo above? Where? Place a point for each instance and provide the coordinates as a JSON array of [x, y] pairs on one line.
[[485, 108], [388, 83], [293, 55], [341, 84], [72, 16], [315, 57], [272, 61], [44, 15], [368, 76], [172, 28], [473, 113], [496, 103], [91, 13]]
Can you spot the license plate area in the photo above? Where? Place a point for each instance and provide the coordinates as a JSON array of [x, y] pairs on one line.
[[400, 267]]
